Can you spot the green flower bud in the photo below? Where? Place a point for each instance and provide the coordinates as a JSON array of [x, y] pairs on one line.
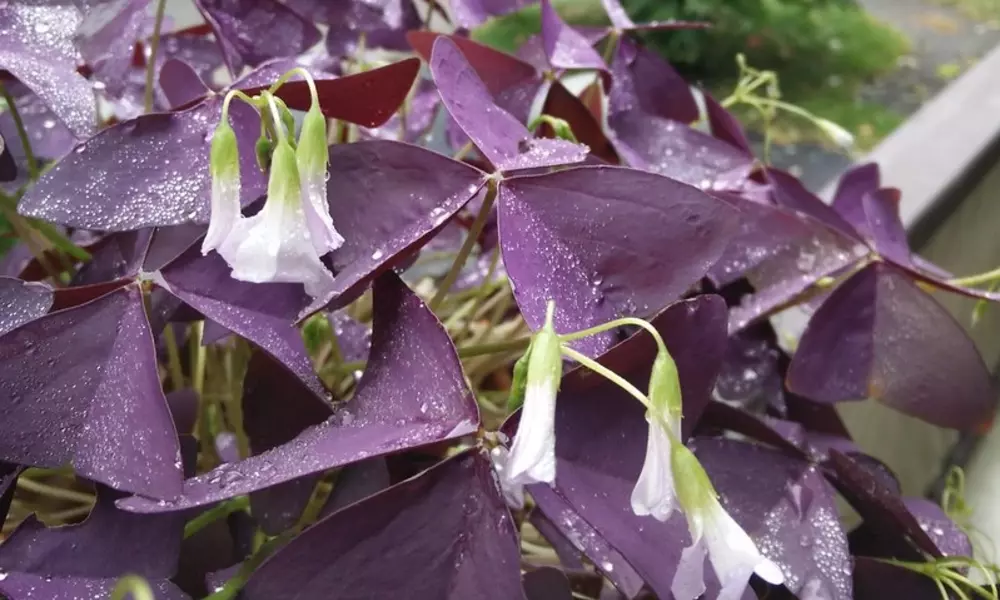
[[694, 489], [545, 362], [665, 387], [224, 158], [284, 184], [517, 387], [312, 152], [263, 150]]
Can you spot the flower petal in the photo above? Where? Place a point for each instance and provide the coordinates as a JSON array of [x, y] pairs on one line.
[[325, 237], [225, 212], [533, 454], [733, 554], [654, 490], [689, 580], [274, 246]]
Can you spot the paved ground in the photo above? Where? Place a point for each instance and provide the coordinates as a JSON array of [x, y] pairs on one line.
[[944, 43]]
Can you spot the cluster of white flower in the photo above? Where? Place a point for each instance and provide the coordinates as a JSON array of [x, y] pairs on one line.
[[671, 476], [286, 239]]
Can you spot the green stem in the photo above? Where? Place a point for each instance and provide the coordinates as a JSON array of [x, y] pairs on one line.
[[21, 133], [608, 374], [154, 47], [471, 240], [43, 489], [495, 348], [173, 358], [570, 337], [275, 116], [313, 93], [612, 45], [229, 98], [218, 512], [232, 588], [974, 280], [132, 587], [198, 356]]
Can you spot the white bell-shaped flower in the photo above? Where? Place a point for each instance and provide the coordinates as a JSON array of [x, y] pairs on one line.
[[513, 492], [312, 156], [533, 453], [224, 166], [274, 245], [733, 555], [654, 493]]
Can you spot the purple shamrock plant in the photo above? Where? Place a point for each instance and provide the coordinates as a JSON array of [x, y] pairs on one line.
[[285, 319]]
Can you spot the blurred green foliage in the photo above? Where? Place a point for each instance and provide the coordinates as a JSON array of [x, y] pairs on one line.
[[822, 50]]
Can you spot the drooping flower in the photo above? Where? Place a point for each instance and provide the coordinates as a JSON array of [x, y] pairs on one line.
[[274, 245], [513, 493], [733, 555], [654, 490], [225, 169], [838, 134], [312, 156], [533, 453]]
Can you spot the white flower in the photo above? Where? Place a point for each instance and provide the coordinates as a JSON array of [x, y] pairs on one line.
[[654, 493], [312, 156], [838, 134], [224, 166], [513, 493], [733, 555], [274, 245], [533, 454]]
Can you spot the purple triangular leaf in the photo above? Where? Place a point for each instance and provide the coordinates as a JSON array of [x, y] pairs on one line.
[[181, 83], [570, 526], [616, 13], [879, 336], [498, 70], [724, 125], [168, 243], [882, 509], [354, 339], [601, 440], [22, 301], [152, 170], [790, 193], [109, 543], [947, 536], [675, 150], [250, 32], [605, 242], [388, 551], [8, 167], [547, 583], [111, 423], [117, 256], [888, 236], [877, 580], [50, 138], [789, 511], [268, 424], [851, 190], [8, 480], [751, 376], [106, 38], [564, 46], [502, 139], [644, 81], [388, 198], [20, 586], [383, 26], [356, 482], [263, 313], [401, 402], [470, 13], [37, 48]]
